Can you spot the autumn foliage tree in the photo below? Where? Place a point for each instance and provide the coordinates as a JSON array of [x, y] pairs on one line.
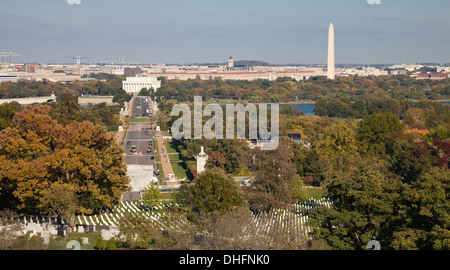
[[274, 178], [216, 160], [39, 152]]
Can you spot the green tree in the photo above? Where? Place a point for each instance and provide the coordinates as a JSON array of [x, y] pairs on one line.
[[122, 96], [426, 208], [366, 207], [151, 195], [373, 129], [7, 113], [100, 243], [321, 106], [297, 190], [338, 108], [111, 244], [360, 107], [213, 190], [144, 92]]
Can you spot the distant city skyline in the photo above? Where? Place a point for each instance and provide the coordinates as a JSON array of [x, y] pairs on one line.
[[208, 31]]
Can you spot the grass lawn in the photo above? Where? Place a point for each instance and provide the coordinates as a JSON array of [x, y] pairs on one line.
[[165, 133], [171, 147], [316, 193], [161, 171], [174, 157], [139, 120], [59, 244], [179, 171], [191, 165]]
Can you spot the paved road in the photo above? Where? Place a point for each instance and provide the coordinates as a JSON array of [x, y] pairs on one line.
[[140, 107], [137, 136]]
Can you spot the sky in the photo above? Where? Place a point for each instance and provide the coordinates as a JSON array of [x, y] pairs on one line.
[[208, 31]]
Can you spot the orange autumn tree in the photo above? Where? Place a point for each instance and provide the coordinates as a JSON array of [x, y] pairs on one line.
[[38, 153]]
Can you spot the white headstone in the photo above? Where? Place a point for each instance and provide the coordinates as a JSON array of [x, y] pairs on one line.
[[105, 234], [38, 228], [85, 241], [31, 226], [46, 240], [52, 230]]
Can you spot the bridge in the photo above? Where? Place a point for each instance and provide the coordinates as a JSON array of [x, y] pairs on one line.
[[29, 100]]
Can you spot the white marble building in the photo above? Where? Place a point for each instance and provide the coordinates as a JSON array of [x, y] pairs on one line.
[[136, 84]]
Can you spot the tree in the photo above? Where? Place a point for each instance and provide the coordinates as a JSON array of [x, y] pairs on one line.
[[60, 200], [66, 109], [39, 152], [111, 244], [151, 195], [338, 108], [373, 129], [320, 108], [171, 231], [100, 243], [121, 97], [366, 207], [7, 113], [426, 208], [144, 92], [360, 108], [162, 118], [216, 160], [211, 191], [297, 189], [273, 176], [336, 150], [415, 117]]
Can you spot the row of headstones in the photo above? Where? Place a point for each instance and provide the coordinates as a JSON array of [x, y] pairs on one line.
[[128, 206], [40, 220], [312, 203], [107, 219], [287, 220], [124, 207], [40, 228], [112, 220], [298, 227], [103, 219], [139, 207]]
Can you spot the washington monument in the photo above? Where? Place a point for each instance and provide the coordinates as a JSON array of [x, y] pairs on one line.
[[331, 72]]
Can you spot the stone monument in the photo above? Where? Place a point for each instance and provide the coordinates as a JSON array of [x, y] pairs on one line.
[[331, 58], [202, 157]]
